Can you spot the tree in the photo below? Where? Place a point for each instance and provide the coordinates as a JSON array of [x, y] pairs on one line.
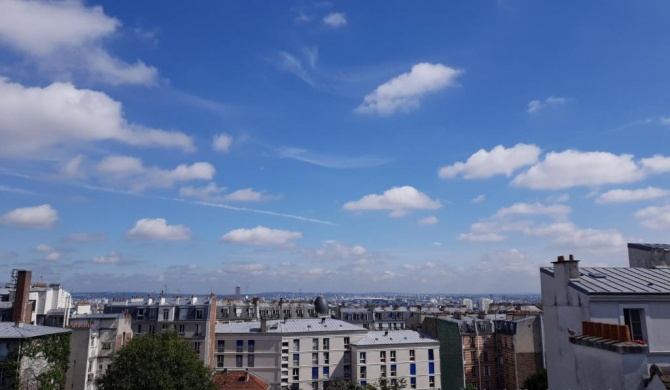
[[537, 381], [160, 361], [470, 386], [382, 383]]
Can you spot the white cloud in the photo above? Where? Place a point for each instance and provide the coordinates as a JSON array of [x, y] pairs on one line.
[[335, 20], [399, 200], [72, 169], [53, 256], [656, 164], [431, 220], [66, 35], [499, 161], [290, 64], [404, 92], [245, 195], [483, 237], [654, 217], [478, 199], [86, 237], [329, 161], [132, 171], [43, 248], [158, 229], [213, 193], [35, 120], [39, 217], [555, 210], [222, 142], [572, 168], [261, 235], [537, 105], [620, 195], [113, 258]]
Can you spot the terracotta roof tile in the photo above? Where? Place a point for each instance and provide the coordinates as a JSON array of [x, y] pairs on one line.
[[235, 380]]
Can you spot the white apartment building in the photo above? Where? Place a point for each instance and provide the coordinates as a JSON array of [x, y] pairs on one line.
[[467, 302], [598, 353], [397, 354], [485, 304], [94, 340], [307, 353]]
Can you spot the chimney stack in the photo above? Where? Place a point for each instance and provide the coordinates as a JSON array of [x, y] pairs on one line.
[[21, 311], [566, 269], [264, 325]]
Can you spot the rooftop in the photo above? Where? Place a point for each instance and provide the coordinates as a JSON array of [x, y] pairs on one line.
[[644, 246], [9, 330], [302, 325], [620, 280], [394, 337], [95, 316], [237, 380]]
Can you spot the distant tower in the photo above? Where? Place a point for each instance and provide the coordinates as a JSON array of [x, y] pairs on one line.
[[238, 292]]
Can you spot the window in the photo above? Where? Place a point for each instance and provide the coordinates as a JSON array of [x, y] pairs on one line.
[[140, 314], [315, 385], [393, 356], [106, 345], [347, 357], [361, 357], [315, 358], [326, 372], [296, 374], [296, 345], [473, 356], [240, 346], [220, 345], [238, 361], [394, 383], [315, 372], [485, 356], [296, 359], [411, 354], [166, 314], [633, 319], [431, 368], [412, 369], [139, 328], [315, 344], [326, 344], [164, 326], [197, 329], [487, 371], [382, 356], [382, 368], [182, 328], [363, 374], [474, 370], [364, 383], [326, 358], [250, 360], [412, 382], [219, 361], [251, 346], [431, 354], [394, 370], [346, 342], [152, 328], [347, 371], [431, 381], [199, 314], [196, 347]]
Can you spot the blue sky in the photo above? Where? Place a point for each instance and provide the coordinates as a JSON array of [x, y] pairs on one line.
[[322, 146]]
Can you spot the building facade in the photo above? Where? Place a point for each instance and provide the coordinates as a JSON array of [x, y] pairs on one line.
[[519, 350]]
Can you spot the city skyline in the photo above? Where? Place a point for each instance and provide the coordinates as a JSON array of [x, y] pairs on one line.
[[329, 146]]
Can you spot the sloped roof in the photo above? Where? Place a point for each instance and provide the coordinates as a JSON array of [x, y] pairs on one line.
[[620, 280], [9, 330], [394, 337], [237, 380]]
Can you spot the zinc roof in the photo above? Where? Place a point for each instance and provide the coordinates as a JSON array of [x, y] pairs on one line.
[[303, 325], [9, 330], [394, 337], [620, 280]]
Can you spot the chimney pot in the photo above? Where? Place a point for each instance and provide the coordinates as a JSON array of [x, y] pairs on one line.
[[560, 259], [571, 257]]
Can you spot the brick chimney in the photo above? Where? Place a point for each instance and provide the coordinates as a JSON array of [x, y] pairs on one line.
[[21, 309]]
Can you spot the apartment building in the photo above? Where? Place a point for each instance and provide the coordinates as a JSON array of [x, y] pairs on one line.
[[519, 350], [50, 304], [193, 318], [295, 353], [607, 327], [255, 309], [378, 318], [394, 355], [94, 340]]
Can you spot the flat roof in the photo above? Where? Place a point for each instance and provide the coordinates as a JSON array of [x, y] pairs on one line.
[[620, 280], [9, 330], [394, 337], [301, 325]]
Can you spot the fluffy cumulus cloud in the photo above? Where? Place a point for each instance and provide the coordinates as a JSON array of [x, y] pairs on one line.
[[620, 195], [35, 119], [565, 235], [430, 220], [656, 164], [133, 172], [65, 36], [404, 93], [158, 229], [213, 193], [654, 217], [261, 235], [335, 20], [571, 168], [398, 200], [497, 161], [537, 105], [39, 217], [222, 142]]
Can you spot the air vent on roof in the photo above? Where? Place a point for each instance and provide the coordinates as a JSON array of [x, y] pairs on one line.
[[597, 274]]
